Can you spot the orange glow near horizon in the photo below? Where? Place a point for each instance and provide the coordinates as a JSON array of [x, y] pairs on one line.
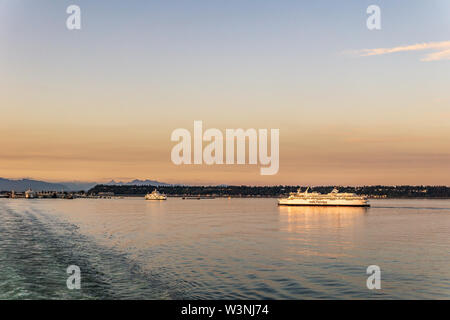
[[338, 156]]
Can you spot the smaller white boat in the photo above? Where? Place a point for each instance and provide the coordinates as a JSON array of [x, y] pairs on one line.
[[30, 194], [155, 195]]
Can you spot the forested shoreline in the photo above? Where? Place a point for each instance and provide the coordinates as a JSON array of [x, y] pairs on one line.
[[274, 191]]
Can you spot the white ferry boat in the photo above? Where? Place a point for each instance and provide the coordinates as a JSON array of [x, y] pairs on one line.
[[155, 195], [30, 194], [334, 198]]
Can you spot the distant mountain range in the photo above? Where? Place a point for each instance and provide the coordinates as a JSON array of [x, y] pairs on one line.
[[25, 184], [138, 182]]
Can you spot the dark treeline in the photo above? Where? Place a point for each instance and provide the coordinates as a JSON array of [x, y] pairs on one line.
[[274, 191]]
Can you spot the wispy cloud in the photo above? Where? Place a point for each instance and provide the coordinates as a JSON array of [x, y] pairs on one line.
[[441, 50], [440, 55]]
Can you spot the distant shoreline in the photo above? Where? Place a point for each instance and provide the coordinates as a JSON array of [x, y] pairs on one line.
[[209, 197], [203, 197], [207, 192], [372, 192]]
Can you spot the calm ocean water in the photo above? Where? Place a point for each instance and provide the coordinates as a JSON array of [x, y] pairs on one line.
[[222, 249]]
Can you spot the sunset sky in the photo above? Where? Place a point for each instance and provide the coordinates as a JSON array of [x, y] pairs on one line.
[[353, 106]]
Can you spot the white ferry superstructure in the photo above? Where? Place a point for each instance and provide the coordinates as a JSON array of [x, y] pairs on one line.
[[155, 195], [334, 198]]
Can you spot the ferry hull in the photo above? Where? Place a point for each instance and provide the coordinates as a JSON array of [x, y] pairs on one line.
[[323, 203]]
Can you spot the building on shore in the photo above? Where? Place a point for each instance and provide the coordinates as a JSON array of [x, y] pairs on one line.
[[105, 194]]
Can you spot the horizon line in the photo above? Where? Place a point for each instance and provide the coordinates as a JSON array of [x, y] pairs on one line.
[[228, 185]]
